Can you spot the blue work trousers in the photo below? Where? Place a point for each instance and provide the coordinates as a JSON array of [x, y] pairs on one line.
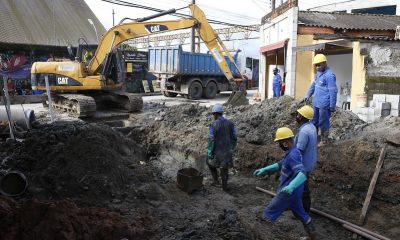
[[277, 91], [321, 118], [283, 201]]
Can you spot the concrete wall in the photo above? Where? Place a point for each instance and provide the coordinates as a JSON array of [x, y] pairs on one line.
[[278, 29], [341, 65], [305, 70], [358, 78], [382, 67]]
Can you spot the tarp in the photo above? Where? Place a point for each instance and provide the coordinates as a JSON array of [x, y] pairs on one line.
[[23, 72]]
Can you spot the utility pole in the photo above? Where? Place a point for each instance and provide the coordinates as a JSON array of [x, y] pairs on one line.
[[273, 5], [113, 13], [192, 39]]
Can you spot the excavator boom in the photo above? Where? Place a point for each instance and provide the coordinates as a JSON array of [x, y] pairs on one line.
[[102, 73]]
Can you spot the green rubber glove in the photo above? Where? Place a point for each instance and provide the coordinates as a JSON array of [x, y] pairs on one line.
[[295, 183], [210, 149], [270, 168]]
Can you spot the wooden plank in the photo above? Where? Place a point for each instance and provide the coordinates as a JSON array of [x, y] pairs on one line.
[[372, 186], [336, 219]]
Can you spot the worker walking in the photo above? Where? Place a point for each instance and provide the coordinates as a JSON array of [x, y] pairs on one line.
[[306, 143], [325, 94], [276, 83], [292, 178], [222, 141]]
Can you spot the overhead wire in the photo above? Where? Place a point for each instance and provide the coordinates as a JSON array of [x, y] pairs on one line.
[[128, 4]]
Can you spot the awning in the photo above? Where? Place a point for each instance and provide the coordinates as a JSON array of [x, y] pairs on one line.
[[342, 44], [273, 46]]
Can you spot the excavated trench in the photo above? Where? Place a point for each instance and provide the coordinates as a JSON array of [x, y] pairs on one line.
[[117, 179]]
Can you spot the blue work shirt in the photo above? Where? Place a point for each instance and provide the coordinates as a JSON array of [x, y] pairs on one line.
[[223, 139], [324, 89], [306, 142], [277, 80], [290, 166]]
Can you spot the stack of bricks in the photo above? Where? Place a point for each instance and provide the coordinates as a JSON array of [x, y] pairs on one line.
[[382, 105]]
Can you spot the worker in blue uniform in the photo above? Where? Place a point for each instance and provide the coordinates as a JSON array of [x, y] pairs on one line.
[[276, 83], [325, 92], [222, 141], [290, 189], [306, 142]]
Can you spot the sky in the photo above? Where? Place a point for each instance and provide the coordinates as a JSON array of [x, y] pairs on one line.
[[244, 12]]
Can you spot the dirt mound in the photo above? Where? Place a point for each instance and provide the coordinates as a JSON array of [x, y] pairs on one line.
[[77, 160], [344, 169], [32, 219], [185, 128]]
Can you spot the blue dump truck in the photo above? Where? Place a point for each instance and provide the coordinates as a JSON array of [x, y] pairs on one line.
[[193, 75]]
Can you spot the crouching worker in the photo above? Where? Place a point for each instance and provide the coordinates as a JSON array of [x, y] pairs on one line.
[[221, 144], [292, 178]]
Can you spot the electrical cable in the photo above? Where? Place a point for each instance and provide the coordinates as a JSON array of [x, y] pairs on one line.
[[128, 4]]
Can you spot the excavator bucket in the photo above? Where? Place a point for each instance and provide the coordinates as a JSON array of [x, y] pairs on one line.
[[238, 96]]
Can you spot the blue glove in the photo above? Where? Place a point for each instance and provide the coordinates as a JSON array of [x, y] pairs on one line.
[[295, 183], [270, 168], [333, 109]]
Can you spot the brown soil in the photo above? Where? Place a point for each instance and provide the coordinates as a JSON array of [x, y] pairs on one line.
[[92, 181]]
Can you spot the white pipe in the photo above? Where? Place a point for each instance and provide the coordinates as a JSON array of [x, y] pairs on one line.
[[23, 117]]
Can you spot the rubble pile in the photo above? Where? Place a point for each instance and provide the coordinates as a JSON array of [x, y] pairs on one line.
[[33, 219], [345, 165], [76, 160]]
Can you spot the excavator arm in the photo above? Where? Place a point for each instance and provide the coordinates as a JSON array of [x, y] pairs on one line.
[[126, 31]]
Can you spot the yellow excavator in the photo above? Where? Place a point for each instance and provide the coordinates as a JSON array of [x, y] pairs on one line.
[[80, 86]]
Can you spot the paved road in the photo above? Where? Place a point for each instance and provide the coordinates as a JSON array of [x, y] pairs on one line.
[[221, 98]]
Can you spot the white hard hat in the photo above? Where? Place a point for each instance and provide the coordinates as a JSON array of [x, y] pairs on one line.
[[217, 108]]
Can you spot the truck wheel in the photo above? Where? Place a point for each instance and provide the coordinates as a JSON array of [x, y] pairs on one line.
[[210, 91], [195, 90]]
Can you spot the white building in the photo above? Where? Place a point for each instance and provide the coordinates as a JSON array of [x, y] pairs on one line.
[[388, 7]]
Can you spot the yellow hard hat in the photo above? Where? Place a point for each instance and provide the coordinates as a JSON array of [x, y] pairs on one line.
[[306, 111], [319, 58], [283, 133]]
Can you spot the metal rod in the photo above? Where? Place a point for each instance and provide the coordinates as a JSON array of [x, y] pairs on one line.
[[25, 117], [359, 232], [7, 102], [46, 79], [334, 218], [192, 35]]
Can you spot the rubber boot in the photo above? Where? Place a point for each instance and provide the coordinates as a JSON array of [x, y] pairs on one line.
[[310, 230], [324, 137], [214, 174], [224, 178]]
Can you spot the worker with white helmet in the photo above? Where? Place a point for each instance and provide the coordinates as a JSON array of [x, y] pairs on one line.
[[325, 95], [222, 141], [306, 142], [292, 177]]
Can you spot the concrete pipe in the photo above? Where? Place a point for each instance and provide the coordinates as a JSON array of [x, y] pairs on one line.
[[22, 116], [13, 184]]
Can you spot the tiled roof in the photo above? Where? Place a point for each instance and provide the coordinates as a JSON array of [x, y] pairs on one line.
[[33, 22], [348, 20]]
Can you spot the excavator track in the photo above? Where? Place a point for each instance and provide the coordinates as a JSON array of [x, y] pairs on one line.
[[129, 102], [78, 105]]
